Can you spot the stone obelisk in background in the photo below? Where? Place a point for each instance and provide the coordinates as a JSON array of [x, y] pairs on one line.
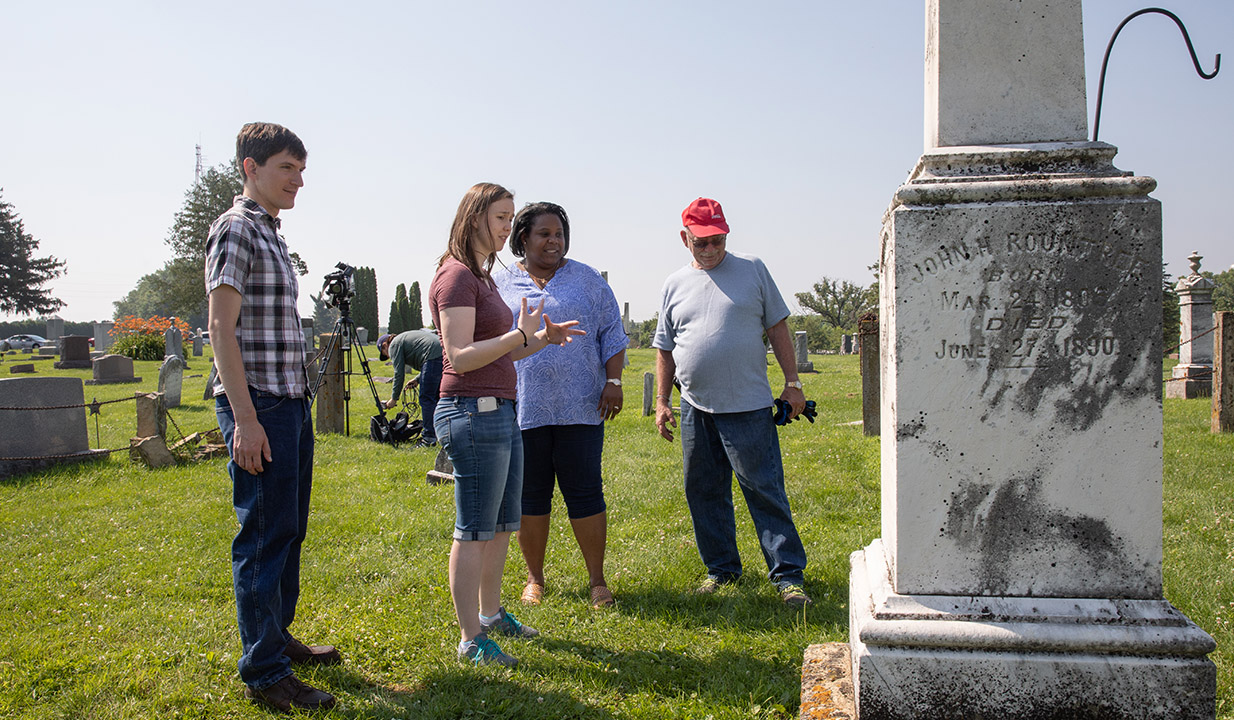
[[1019, 570]]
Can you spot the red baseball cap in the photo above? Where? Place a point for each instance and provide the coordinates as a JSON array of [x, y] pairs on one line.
[[704, 217]]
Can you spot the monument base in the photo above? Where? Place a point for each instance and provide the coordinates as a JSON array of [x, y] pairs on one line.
[[1021, 658], [1190, 381]]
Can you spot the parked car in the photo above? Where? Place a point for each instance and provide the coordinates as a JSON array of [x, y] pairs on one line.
[[23, 342]]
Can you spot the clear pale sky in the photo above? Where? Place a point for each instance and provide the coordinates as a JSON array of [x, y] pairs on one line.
[[802, 118]]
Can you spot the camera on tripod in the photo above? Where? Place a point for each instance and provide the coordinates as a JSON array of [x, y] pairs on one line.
[[340, 285]]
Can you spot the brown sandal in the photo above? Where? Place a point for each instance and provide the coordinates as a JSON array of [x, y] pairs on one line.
[[532, 592], [601, 597]]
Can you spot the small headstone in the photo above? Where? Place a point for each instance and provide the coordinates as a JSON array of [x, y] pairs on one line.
[[102, 335], [111, 369], [23, 368], [801, 348], [197, 343], [152, 451], [208, 393], [74, 352], [443, 469], [151, 415], [173, 340], [362, 335], [171, 379], [49, 351], [55, 328]]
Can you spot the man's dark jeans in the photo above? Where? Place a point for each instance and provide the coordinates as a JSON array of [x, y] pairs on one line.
[[273, 509], [430, 387], [715, 446]]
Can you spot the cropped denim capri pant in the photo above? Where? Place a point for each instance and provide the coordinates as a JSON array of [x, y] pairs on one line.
[[486, 449]]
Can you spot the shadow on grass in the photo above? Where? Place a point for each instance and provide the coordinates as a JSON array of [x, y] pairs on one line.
[[743, 605], [466, 692]]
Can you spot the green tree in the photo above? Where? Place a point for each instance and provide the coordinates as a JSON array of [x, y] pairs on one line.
[[324, 316], [1170, 317], [158, 294], [399, 311], [22, 275], [839, 302], [821, 336], [415, 311], [364, 307], [1223, 294]]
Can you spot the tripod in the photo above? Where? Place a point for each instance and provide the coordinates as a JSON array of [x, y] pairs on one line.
[[342, 338]]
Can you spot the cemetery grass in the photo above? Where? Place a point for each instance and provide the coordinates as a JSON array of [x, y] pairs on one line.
[[116, 597]]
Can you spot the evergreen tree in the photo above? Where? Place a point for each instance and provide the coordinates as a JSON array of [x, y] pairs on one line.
[[324, 316], [398, 311], [22, 274], [364, 307], [415, 320]]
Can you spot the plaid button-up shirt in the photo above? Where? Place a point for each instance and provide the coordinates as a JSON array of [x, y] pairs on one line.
[[245, 251]]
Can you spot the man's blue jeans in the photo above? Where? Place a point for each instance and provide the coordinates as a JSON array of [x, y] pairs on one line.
[[430, 387], [273, 509], [714, 446]]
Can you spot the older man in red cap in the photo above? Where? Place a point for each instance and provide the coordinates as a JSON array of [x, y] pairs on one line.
[[713, 314]]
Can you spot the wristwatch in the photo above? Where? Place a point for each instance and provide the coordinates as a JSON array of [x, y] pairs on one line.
[[615, 381], [794, 384]]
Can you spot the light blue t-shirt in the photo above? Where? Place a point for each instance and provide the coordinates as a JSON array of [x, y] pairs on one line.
[[561, 384], [713, 323]]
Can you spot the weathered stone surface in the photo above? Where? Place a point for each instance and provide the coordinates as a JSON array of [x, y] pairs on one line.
[[151, 415], [1004, 72], [1022, 658], [171, 380], [173, 342], [1192, 377], [111, 369], [208, 393], [827, 683], [330, 406], [21, 368], [868, 346], [1223, 373], [152, 451], [198, 344], [1023, 337], [649, 393], [74, 352]]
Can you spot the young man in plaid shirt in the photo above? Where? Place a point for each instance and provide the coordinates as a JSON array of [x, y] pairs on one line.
[[262, 403]]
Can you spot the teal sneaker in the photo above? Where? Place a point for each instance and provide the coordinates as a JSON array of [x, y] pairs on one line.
[[483, 651], [507, 624]]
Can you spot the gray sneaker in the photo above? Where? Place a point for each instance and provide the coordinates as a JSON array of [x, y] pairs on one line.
[[483, 651], [507, 624], [794, 594]]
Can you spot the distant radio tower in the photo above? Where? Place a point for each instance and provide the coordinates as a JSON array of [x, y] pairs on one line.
[[197, 171]]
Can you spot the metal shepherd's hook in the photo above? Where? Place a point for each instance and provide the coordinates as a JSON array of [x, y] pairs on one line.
[[1190, 48]]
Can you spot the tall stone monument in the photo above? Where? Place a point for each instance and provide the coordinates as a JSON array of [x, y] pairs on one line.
[[1019, 570], [1193, 375], [55, 328]]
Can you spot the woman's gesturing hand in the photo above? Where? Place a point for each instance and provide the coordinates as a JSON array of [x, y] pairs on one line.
[[553, 333]]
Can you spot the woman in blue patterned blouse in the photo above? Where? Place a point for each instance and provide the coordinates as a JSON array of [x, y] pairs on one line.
[[565, 393]]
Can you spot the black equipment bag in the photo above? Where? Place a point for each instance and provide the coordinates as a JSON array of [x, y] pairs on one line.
[[399, 430]]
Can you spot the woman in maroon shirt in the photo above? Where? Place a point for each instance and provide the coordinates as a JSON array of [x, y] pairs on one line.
[[475, 420]]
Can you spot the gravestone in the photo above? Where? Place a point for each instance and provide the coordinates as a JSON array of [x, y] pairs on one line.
[[443, 470], [208, 393], [362, 335], [1223, 373], [802, 351], [649, 393], [198, 342], [102, 335], [151, 415], [55, 328], [846, 344], [21, 368], [113, 369], [50, 350], [1019, 570], [173, 341], [1193, 375], [74, 352], [43, 437], [306, 327], [171, 380], [868, 349]]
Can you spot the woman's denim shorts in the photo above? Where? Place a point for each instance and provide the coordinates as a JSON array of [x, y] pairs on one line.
[[487, 452]]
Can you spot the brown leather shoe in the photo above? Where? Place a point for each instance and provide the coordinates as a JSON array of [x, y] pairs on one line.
[[301, 654], [290, 693]]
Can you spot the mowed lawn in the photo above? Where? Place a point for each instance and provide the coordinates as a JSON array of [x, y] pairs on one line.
[[115, 583]]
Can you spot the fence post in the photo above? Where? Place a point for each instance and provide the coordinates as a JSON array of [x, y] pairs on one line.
[[868, 347], [1223, 373], [649, 392]]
